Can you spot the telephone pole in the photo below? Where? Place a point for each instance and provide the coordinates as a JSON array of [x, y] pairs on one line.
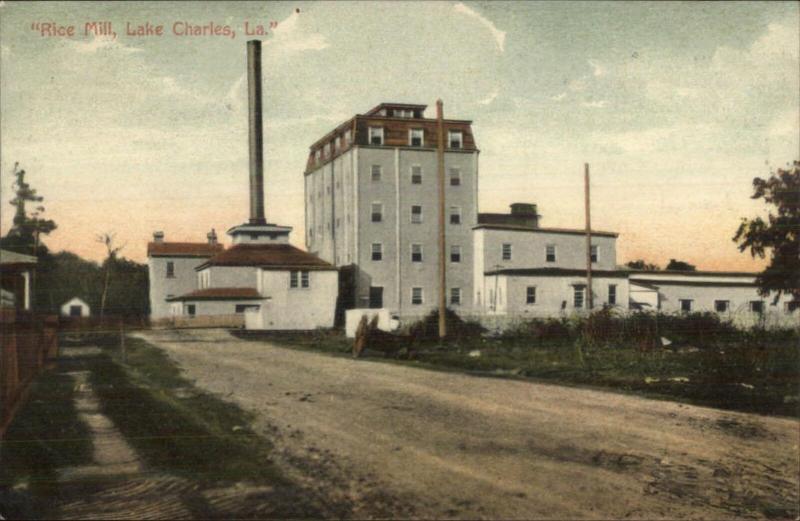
[[588, 238], [442, 245]]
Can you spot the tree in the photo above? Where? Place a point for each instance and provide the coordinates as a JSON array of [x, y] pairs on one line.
[[676, 265], [26, 230], [642, 265], [779, 234], [107, 239]]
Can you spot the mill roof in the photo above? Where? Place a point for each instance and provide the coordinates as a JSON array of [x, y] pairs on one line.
[[267, 256], [183, 249]]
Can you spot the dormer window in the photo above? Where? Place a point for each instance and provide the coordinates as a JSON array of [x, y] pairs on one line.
[[318, 155], [415, 137], [403, 113], [326, 151], [455, 138], [376, 135], [348, 138], [337, 143]]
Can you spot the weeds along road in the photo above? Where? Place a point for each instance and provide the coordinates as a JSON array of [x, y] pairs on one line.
[[396, 441]]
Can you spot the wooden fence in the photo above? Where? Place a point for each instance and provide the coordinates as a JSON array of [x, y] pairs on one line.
[[28, 343], [199, 321]]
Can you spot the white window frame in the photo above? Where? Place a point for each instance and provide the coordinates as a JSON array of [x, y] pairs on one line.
[[727, 305], [455, 296], [372, 171], [170, 270], [760, 305], [455, 250], [348, 137], [680, 304], [612, 291], [379, 213], [455, 175], [378, 250], [579, 291], [455, 211], [305, 279], [547, 249], [294, 279], [421, 174], [419, 216], [403, 113], [506, 246], [421, 253], [455, 133], [421, 296], [376, 132], [594, 253], [337, 143], [528, 292], [411, 133], [326, 150]]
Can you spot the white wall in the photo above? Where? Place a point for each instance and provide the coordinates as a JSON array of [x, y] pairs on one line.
[[298, 308], [232, 276], [162, 287]]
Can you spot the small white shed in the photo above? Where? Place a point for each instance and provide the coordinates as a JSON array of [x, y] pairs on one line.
[[75, 307]]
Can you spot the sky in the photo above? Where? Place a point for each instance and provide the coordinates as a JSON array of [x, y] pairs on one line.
[[675, 106]]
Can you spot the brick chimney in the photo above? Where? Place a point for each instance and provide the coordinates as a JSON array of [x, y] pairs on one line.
[[158, 236]]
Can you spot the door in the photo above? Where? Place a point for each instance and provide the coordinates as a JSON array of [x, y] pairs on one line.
[[375, 297], [74, 311]]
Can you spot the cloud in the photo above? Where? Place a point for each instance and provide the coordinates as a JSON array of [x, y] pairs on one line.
[[290, 36], [490, 98], [597, 69], [599, 104], [499, 36], [102, 43], [559, 97], [234, 99]]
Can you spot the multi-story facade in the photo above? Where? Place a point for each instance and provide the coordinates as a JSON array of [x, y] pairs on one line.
[[371, 202]]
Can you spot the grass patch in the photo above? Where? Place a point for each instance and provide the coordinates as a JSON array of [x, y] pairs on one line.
[[176, 427], [46, 435]]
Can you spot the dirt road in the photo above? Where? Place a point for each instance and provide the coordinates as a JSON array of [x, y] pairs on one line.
[[398, 441]]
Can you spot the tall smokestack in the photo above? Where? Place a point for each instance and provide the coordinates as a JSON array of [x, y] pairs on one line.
[[256, 133]]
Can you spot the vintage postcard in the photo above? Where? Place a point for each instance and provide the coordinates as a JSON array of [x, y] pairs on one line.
[[400, 260]]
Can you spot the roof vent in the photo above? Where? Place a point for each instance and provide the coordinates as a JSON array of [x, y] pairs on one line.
[[158, 236]]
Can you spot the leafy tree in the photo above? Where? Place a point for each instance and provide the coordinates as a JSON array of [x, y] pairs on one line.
[[25, 232], [642, 265], [676, 265], [779, 234]]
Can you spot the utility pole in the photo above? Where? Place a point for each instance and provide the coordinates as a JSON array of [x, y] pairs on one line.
[[588, 238], [442, 245]]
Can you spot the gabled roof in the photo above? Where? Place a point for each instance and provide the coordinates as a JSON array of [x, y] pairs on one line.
[[267, 256], [183, 249], [220, 294], [566, 231], [12, 257]]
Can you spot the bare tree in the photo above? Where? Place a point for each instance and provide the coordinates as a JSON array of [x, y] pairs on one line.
[[107, 239]]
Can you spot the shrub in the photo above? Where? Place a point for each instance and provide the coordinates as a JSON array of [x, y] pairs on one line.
[[427, 329]]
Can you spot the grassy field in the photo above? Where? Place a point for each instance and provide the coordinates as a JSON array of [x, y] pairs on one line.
[[707, 362], [45, 436]]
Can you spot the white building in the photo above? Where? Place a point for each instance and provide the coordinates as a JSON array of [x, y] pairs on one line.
[[75, 307], [371, 195]]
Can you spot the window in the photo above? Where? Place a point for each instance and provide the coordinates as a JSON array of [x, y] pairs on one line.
[[241, 308], [317, 155], [550, 253], [578, 296], [686, 305], [506, 251], [299, 279], [455, 253], [416, 296], [75, 311], [416, 253], [455, 177], [415, 137], [337, 144], [293, 279], [377, 212], [721, 306], [377, 251], [348, 138], [416, 175], [375, 135], [403, 113], [593, 252], [375, 297], [530, 295], [305, 279], [170, 269], [455, 296], [791, 306], [190, 309], [376, 172], [326, 150], [311, 232], [454, 137], [416, 214], [757, 306], [612, 294], [455, 215]]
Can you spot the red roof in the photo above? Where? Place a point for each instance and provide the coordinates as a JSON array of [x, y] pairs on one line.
[[183, 249], [220, 294], [268, 256]]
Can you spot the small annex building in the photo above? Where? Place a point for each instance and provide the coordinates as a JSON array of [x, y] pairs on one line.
[[75, 307]]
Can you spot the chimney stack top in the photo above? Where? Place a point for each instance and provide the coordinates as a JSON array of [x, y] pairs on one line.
[[158, 236], [212, 236]]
